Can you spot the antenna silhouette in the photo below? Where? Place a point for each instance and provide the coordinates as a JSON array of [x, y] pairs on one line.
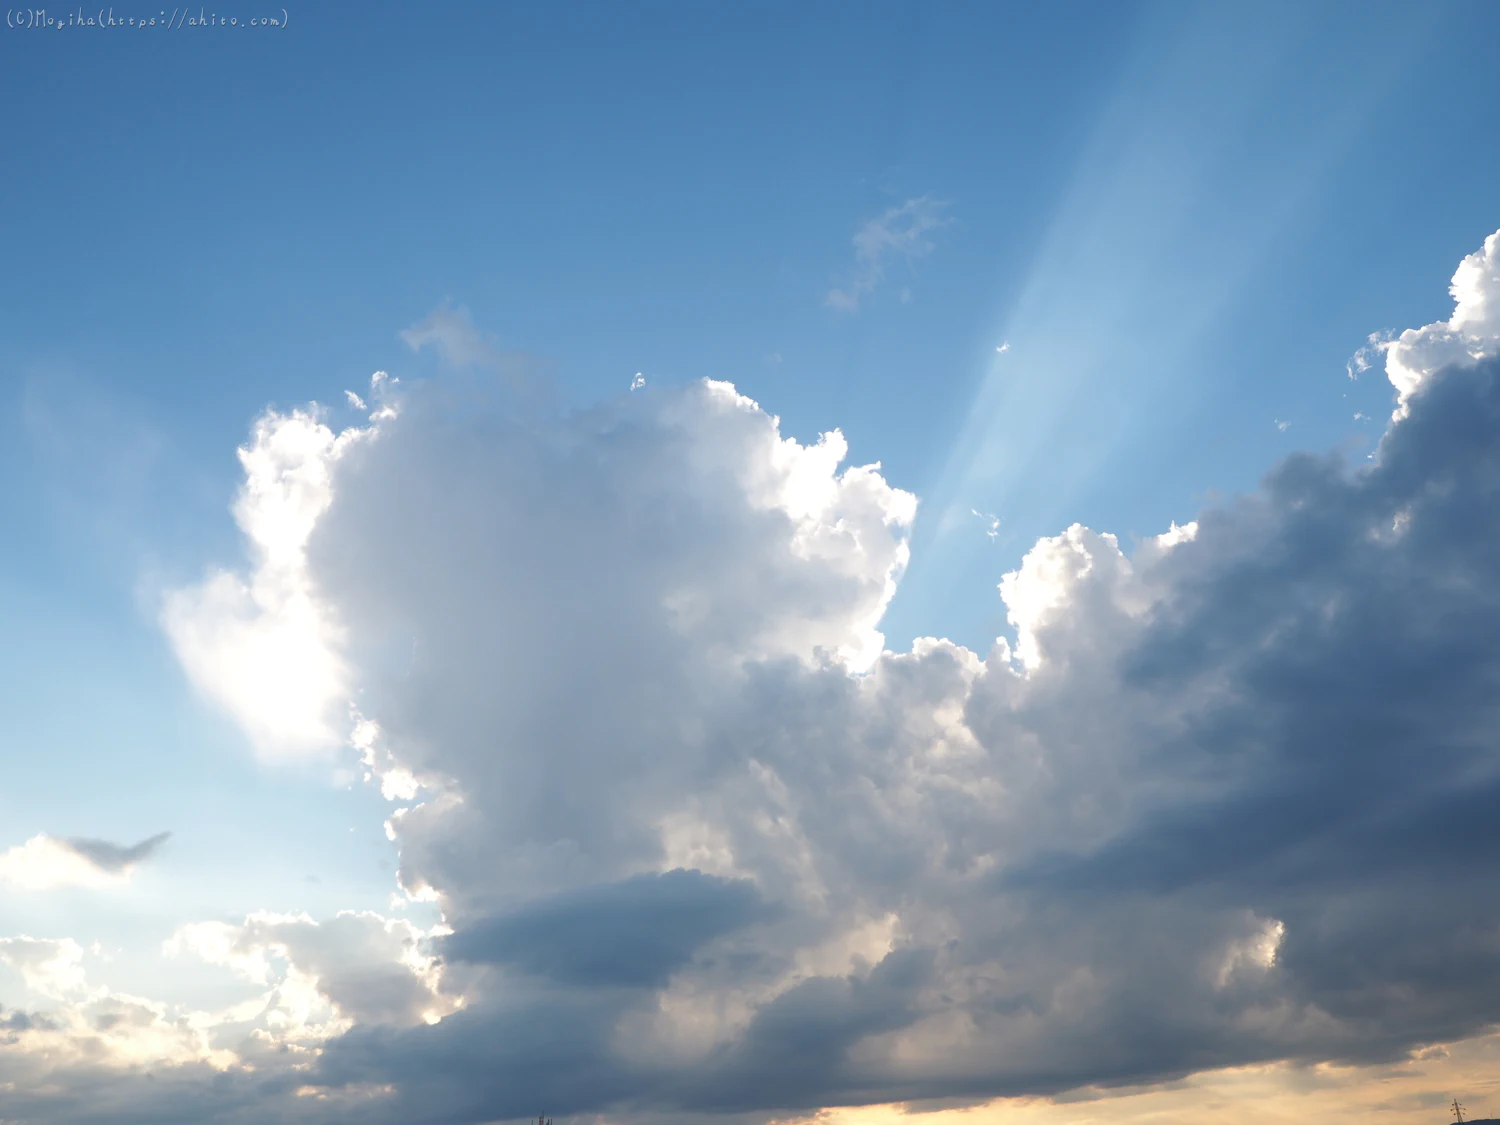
[[1458, 1112]]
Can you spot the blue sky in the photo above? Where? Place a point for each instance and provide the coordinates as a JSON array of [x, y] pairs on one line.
[[1179, 224]]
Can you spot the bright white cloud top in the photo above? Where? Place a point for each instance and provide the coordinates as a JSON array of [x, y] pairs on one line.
[[702, 845], [1466, 337]]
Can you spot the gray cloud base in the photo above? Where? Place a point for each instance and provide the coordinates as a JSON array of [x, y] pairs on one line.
[[631, 934]]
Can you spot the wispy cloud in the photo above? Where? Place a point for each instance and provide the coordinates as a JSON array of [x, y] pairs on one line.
[[1376, 345], [901, 232], [46, 862], [464, 346], [113, 857], [453, 333]]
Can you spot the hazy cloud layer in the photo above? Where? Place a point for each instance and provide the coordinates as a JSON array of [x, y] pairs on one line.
[[703, 847]]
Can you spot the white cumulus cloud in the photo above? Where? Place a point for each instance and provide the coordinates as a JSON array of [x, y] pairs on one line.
[[1472, 333], [261, 643], [680, 807]]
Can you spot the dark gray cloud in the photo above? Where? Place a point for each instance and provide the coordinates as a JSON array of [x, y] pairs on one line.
[[114, 857], [18, 1020], [1351, 734], [634, 933]]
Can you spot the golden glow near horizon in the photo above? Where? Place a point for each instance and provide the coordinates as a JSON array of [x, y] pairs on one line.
[[1415, 1091]]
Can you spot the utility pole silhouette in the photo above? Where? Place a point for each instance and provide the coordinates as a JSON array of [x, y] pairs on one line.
[[1458, 1112]]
